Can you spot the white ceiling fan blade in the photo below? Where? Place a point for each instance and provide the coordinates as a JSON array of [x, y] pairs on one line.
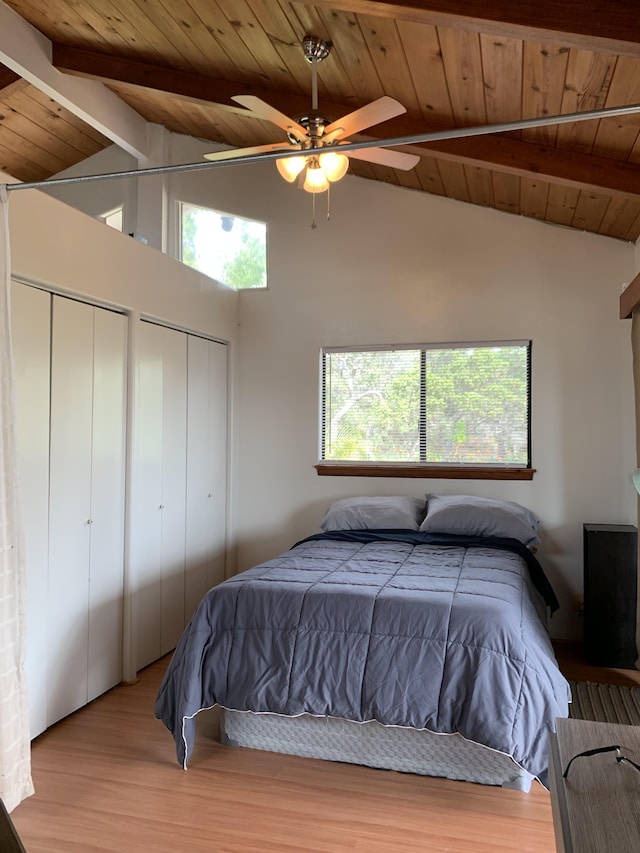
[[238, 153], [375, 112], [336, 133], [384, 157], [349, 147], [265, 110]]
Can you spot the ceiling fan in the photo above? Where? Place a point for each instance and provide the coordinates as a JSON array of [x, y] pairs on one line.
[[324, 145], [320, 162]]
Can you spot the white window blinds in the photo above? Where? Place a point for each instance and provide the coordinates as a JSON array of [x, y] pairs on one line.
[[444, 404]]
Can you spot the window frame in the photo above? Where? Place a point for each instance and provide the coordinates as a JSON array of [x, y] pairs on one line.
[[424, 469], [223, 214], [110, 214]]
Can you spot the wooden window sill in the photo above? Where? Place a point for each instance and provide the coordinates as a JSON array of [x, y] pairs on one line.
[[442, 472]]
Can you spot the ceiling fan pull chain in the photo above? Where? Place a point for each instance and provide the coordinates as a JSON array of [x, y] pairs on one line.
[[329, 202], [313, 212]]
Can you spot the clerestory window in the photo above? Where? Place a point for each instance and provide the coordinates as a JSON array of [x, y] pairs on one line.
[[227, 248]]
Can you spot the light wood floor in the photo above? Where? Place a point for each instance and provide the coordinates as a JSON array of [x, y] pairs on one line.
[[106, 779]]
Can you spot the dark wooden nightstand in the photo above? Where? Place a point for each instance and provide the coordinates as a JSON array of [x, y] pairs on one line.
[[9, 840], [610, 585]]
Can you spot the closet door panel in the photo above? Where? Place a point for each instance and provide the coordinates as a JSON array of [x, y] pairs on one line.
[[107, 502], [179, 523], [197, 552], [218, 464], [174, 473], [30, 324], [69, 506], [206, 468], [146, 534]]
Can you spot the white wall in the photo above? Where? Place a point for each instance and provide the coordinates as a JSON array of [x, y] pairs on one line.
[[397, 266], [56, 245], [96, 199]]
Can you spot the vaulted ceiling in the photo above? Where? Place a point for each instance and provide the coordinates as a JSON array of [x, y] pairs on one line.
[[85, 73]]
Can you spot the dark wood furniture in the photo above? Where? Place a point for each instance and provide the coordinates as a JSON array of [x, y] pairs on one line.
[[9, 841], [597, 807], [610, 585]]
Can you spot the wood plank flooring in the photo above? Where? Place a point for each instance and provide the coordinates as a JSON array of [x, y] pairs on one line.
[[572, 662], [106, 779]]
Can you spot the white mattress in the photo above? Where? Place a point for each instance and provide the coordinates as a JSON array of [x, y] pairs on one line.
[[374, 745]]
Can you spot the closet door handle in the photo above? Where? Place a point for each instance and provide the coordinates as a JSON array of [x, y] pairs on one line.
[[89, 521]]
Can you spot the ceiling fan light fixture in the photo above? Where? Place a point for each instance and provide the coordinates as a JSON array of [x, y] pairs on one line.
[[315, 180], [334, 165], [290, 167]]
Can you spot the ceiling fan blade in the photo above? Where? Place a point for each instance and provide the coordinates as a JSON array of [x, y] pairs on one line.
[[375, 112], [483, 130], [239, 153], [265, 110], [385, 157]]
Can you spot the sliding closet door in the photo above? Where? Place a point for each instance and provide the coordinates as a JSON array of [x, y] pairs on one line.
[[174, 482], [30, 324], [86, 503], [70, 505], [179, 484], [158, 529], [146, 529], [206, 468], [106, 557]]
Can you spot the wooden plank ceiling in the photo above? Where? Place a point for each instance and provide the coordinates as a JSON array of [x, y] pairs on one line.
[[451, 63]]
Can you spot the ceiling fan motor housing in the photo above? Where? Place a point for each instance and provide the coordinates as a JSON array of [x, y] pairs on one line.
[[315, 48], [314, 123]]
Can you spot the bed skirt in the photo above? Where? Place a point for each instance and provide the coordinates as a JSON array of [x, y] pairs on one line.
[[374, 745]]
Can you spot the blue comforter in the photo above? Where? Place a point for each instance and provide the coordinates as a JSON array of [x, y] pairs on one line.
[[446, 637]]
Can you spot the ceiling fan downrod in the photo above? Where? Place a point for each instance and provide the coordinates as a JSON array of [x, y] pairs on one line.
[[315, 50]]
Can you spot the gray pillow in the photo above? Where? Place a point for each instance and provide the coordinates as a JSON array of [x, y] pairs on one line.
[[473, 516], [364, 513]]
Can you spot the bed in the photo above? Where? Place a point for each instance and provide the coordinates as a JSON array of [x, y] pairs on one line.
[[406, 634]]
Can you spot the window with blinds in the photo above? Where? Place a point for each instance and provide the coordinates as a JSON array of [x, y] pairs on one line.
[[441, 404]]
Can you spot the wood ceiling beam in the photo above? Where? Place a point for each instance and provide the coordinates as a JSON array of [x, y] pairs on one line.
[[188, 86], [499, 153], [526, 160], [27, 52], [613, 26], [630, 299], [8, 78]]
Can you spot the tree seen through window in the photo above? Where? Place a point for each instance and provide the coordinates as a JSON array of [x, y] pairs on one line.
[[227, 248], [442, 405]]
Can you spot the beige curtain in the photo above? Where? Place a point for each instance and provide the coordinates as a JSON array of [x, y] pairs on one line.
[[15, 755], [635, 346]]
